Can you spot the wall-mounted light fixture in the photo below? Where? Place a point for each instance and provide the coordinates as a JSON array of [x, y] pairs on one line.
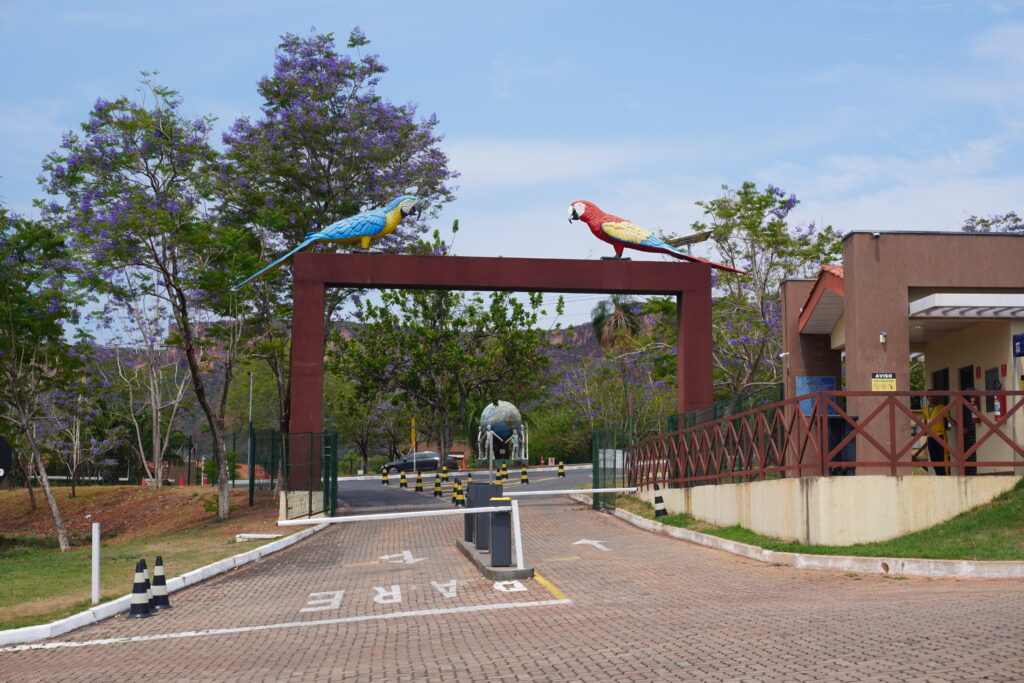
[[881, 336]]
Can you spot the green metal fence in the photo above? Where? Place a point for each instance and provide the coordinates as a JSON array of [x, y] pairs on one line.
[[608, 455], [310, 474], [724, 408], [264, 464]]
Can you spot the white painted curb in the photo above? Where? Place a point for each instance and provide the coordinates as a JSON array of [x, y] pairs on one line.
[[971, 569], [30, 634]]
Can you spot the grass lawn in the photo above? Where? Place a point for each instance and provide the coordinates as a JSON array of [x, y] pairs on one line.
[[41, 584], [993, 531]]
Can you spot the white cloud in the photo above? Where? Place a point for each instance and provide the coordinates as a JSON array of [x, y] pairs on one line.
[[1001, 43], [517, 163]]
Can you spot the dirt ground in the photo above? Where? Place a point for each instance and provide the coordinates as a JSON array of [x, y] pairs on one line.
[[130, 512]]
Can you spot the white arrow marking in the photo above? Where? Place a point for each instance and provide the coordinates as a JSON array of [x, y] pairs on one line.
[[597, 544], [404, 557]]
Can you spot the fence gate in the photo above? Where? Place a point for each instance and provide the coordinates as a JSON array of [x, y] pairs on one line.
[[314, 455], [608, 454]]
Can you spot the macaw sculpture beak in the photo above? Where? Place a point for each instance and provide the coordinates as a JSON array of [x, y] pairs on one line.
[[416, 208], [573, 216]]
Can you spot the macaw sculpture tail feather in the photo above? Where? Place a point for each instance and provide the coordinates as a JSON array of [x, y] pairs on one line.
[[362, 228], [622, 234]]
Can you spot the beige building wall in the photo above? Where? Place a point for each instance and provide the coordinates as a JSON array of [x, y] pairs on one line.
[[985, 344], [836, 510]]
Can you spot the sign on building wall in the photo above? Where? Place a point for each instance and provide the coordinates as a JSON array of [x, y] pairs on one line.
[[883, 381], [810, 385], [1018, 345]]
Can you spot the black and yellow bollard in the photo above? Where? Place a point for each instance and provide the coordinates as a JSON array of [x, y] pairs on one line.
[[402, 483], [419, 482], [160, 599], [524, 478], [497, 476], [444, 473], [469, 477], [460, 495], [504, 471], [140, 600], [383, 476], [561, 468], [437, 486], [455, 493]]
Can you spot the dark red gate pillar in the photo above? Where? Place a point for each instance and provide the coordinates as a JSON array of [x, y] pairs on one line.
[[690, 283]]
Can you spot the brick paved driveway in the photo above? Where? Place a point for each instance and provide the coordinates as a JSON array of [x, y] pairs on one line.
[[650, 608]]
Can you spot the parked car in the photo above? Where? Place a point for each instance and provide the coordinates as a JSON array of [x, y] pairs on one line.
[[420, 461]]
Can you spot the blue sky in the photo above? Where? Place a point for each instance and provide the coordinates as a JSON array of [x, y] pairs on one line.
[[884, 115]]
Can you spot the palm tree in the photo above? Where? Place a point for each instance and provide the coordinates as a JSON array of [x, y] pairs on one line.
[[615, 320]]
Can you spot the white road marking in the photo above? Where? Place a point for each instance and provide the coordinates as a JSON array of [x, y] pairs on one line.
[[292, 624], [387, 597], [404, 557], [597, 544], [324, 600], [509, 586], [448, 589]]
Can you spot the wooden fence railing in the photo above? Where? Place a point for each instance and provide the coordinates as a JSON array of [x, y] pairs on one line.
[[834, 433]]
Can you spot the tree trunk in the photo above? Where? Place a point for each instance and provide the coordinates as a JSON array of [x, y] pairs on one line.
[[37, 459], [216, 433], [154, 416], [28, 467]]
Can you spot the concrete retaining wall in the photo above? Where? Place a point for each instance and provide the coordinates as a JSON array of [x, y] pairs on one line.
[[836, 510]]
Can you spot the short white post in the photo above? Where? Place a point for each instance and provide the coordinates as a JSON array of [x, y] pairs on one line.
[[95, 563], [517, 534]]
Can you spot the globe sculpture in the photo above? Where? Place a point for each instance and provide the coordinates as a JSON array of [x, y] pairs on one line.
[[503, 419], [502, 433]]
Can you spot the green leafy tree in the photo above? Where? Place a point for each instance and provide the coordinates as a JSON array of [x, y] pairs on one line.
[[139, 189], [750, 230], [41, 291], [439, 351]]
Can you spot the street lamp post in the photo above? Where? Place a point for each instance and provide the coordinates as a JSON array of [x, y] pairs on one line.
[[252, 472]]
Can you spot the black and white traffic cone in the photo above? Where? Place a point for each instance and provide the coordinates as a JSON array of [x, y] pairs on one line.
[[561, 468], [383, 476], [659, 503], [437, 486], [419, 482], [140, 598], [402, 483], [160, 585], [149, 586]]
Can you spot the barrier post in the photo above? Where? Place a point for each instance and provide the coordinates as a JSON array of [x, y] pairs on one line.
[[482, 531], [501, 535], [95, 563]]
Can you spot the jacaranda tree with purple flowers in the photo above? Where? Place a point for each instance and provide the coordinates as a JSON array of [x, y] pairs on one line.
[[1000, 222], [750, 230], [325, 146], [136, 191]]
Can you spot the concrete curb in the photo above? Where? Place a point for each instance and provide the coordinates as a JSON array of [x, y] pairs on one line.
[[29, 634], [950, 569], [493, 573]]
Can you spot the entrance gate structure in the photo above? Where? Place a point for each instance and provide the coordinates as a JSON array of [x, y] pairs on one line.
[[313, 273]]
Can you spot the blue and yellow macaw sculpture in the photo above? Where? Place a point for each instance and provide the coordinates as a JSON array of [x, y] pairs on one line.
[[363, 228]]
